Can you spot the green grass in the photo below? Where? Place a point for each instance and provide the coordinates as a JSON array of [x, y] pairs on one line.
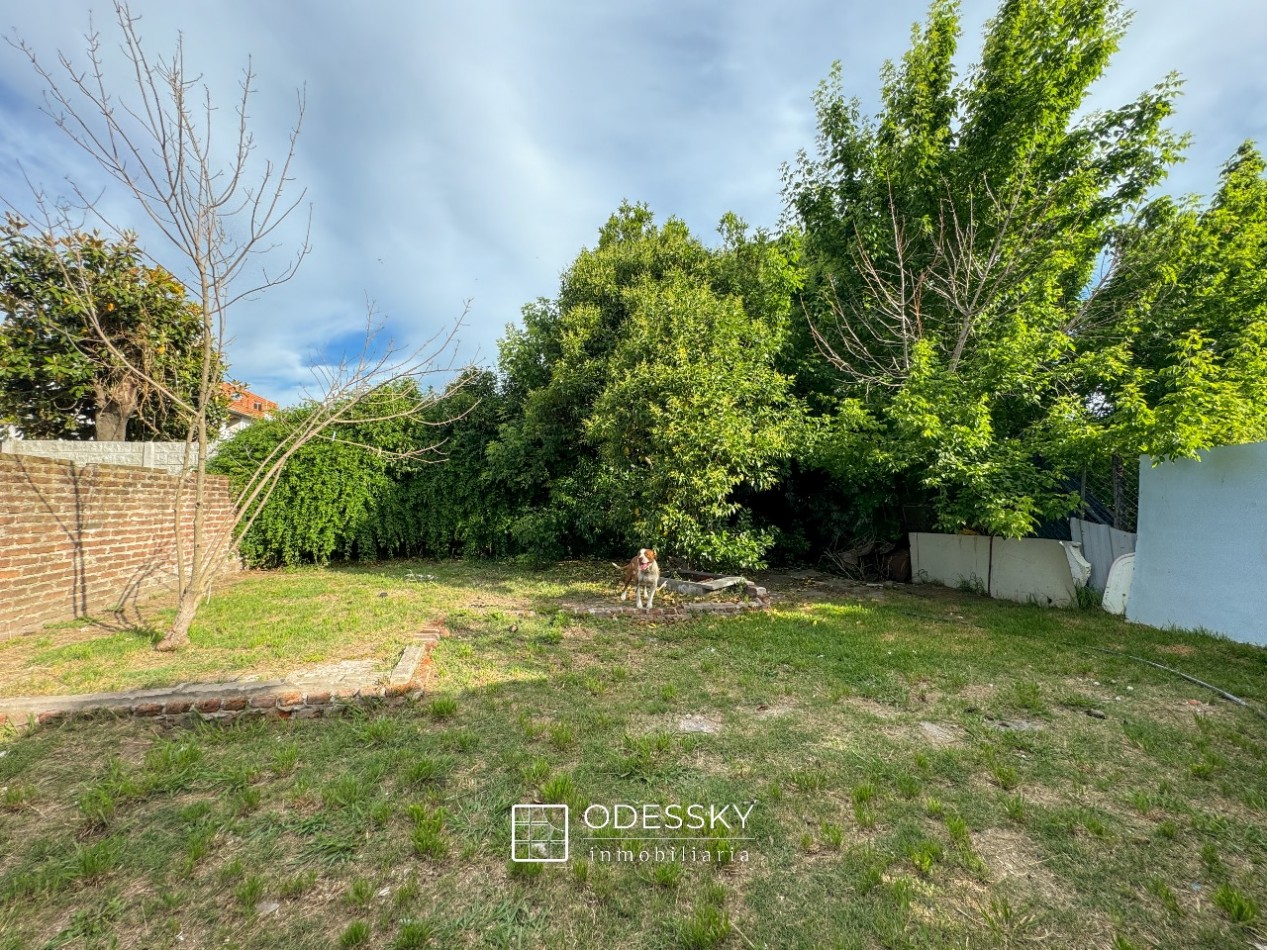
[[267, 623], [392, 829]]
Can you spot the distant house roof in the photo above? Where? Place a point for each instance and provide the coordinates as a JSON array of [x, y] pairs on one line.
[[243, 402]]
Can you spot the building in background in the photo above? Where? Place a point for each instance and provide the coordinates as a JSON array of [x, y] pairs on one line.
[[245, 407]]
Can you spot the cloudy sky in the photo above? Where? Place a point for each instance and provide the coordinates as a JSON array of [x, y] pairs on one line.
[[466, 151]]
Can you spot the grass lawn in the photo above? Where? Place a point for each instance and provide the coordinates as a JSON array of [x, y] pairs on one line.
[[261, 624], [924, 770]]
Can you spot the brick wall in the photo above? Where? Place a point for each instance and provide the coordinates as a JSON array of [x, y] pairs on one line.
[[82, 540]]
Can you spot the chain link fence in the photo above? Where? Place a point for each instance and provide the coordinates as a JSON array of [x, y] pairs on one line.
[[1109, 493]]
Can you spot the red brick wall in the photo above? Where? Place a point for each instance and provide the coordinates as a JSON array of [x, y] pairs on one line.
[[82, 540]]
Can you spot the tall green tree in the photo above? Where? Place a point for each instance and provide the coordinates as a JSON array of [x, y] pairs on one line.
[[90, 335], [954, 243], [646, 396], [1182, 359]]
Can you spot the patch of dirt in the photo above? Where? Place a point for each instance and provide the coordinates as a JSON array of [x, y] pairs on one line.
[[923, 695], [1042, 795], [695, 723], [871, 707], [487, 600], [1176, 649], [976, 694], [1011, 857], [811, 586], [767, 711], [1016, 725]]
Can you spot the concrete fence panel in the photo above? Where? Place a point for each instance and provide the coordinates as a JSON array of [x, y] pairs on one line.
[[951, 559], [1032, 569], [1101, 545], [1026, 570], [168, 456]]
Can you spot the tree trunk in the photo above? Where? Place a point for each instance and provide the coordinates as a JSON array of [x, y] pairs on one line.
[[116, 404], [112, 423], [178, 633], [194, 571]]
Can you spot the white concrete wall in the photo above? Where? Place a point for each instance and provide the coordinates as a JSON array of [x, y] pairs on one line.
[[1031, 569], [1201, 554], [1027, 570], [168, 456], [951, 559]]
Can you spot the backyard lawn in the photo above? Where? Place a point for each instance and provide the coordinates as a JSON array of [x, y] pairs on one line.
[[922, 768], [262, 624]]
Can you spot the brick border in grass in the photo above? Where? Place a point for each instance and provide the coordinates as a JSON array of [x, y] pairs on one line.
[[223, 701]]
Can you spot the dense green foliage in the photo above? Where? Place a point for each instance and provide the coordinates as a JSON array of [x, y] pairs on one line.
[[1184, 362], [954, 242], [369, 489], [979, 298], [81, 315], [643, 398], [631, 411]]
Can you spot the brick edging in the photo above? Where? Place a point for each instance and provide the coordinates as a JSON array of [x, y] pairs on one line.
[[210, 702]]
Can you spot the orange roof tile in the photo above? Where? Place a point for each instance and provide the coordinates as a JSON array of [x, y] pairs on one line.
[[246, 403]]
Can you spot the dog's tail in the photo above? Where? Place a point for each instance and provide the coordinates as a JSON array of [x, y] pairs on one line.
[[615, 565]]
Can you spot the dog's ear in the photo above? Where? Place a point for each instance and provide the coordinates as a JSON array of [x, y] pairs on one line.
[[650, 555]]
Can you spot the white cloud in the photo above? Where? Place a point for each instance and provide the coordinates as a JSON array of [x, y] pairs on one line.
[[469, 150]]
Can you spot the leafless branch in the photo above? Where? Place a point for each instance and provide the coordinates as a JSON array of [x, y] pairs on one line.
[[943, 287], [157, 140]]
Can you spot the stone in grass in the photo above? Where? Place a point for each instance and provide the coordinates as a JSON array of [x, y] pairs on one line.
[[1016, 725], [264, 908], [937, 734], [698, 724]]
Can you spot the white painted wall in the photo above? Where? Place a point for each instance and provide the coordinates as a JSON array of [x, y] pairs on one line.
[[168, 456], [234, 425], [951, 559], [1201, 553]]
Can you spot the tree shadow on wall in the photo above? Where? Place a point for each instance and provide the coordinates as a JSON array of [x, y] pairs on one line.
[[65, 493]]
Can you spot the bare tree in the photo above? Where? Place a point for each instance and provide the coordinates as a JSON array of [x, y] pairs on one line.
[[943, 283], [220, 217]]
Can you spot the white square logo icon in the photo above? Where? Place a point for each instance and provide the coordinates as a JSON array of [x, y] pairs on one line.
[[539, 833]]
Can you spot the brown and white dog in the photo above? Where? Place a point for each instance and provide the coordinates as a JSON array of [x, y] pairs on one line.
[[641, 570]]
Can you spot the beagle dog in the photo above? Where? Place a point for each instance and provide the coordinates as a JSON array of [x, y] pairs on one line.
[[642, 569]]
